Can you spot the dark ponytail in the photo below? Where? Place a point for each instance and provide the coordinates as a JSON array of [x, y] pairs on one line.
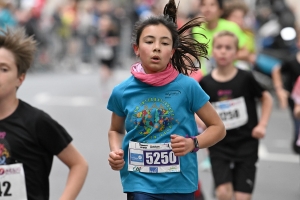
[[187, 45], [170, 11]]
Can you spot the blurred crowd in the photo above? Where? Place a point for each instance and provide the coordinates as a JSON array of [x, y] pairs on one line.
[[75, 34], [68, 32]]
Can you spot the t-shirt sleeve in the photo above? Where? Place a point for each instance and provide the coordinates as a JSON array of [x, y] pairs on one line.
[[285, 67], [255, 88], [115, 102], [199, 97], [51, 135]]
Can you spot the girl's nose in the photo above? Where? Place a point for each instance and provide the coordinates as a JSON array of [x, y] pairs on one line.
[[156, 47]]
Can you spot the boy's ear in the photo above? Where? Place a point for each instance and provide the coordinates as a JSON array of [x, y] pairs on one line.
[[136, 49], [21, 78]]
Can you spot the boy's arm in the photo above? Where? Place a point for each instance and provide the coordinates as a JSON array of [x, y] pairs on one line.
[[266, 108], [281, 93], [78, 171]]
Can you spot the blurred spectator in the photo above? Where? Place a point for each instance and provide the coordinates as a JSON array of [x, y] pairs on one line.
[[7, 18], [142, 9], [295, 7], [236, 11], [107, 37], [85, 28], [66, 21], [29, 16], [212, 10]]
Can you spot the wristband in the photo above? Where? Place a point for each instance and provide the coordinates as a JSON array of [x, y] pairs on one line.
[[196, 144]]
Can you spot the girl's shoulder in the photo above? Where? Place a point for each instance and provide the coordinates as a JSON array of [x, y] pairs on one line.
[[124, 84]]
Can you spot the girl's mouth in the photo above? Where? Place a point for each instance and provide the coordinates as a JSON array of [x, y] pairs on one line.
[[155, 59]]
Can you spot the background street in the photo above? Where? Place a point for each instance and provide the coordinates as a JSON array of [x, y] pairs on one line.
[[78, 103]]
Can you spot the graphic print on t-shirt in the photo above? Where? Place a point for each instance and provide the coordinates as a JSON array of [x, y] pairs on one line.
[[4, 149], [224, 95], [12, 176], [153, 115]]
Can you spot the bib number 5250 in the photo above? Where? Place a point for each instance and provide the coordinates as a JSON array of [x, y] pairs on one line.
[[166, 157], [4, 189]]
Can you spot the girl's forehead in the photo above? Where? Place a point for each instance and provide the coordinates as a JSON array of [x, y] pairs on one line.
[[156, 30]]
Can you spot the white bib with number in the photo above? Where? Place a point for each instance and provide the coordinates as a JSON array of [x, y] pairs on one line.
[[152, 158], [12, 182], [233, 112]]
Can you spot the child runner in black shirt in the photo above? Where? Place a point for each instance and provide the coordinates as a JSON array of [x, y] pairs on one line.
[[233, 92], [291, 70], [295, 95], [29, 138]]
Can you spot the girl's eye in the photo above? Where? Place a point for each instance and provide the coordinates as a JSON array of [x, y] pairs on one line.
[[165, 43], [3, 69], [149, 42]]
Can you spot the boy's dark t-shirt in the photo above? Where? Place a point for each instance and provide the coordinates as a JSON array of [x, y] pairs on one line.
[[32, 137], [238, 142], [291, 71]]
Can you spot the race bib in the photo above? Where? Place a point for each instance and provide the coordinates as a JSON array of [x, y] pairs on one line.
[[152, 158], [12, 182], [232, 112]]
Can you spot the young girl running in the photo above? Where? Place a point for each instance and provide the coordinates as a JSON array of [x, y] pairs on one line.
[[155, 107], [233, 93]]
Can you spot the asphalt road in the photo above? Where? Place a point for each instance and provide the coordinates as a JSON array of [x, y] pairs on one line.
[[79, 103]]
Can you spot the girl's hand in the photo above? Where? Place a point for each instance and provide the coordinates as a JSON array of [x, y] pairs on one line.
[[181, 145], [116, 159], [259, 132]]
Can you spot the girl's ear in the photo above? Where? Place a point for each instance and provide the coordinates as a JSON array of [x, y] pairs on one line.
[[173, 51], [136, 49]]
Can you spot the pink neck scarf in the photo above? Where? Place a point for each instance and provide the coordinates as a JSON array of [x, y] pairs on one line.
[[156, 79]]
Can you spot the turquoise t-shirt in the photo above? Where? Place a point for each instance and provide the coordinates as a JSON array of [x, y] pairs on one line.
[[209, 33], [152, 114]]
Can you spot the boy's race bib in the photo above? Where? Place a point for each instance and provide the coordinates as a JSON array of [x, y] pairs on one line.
[[233, 112], [12, 182], [152, 158]]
